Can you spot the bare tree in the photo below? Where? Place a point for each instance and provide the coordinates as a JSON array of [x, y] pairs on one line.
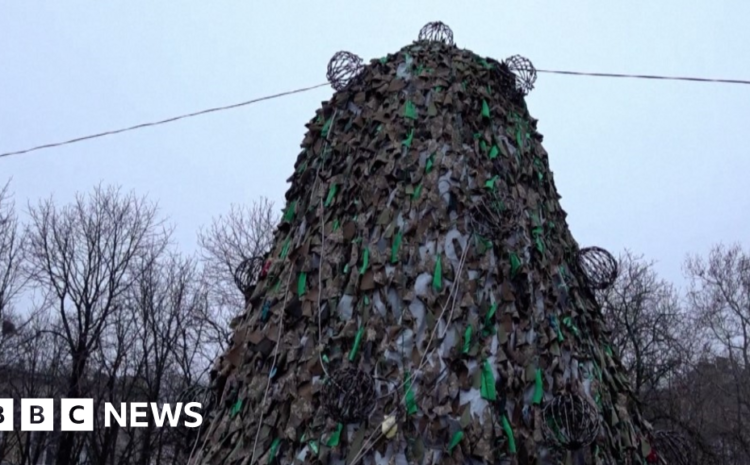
[[34, 371], [11, 257], [83, 256], [647, 323], [720, 297], [246, 232]]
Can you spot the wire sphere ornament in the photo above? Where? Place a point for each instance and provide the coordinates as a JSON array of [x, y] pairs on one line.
[[673, 447], [343, 68], [246, 274], [570, 422], [524, 72], [599, 267], [436, 31], [348, 395]]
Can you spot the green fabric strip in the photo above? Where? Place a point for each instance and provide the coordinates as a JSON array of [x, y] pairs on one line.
[[437, 276], [457, 437], [326, 127], [395, 247], [411, 403], [407, 142], [236, 408], [365, 261], [494, 151], [515, 264], [336, 436], [302, 284], [285, 248], [357, 341], [485, 109], [488, 382], [467, 339], [538, 387], [289, 213], [509, 433], [274, 450], [410, 111], [417, 191], [331, 194]]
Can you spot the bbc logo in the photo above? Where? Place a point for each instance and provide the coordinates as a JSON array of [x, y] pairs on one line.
[[78, 414], [38, 415]]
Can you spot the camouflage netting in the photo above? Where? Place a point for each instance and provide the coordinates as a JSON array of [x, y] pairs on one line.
[[424, 301]]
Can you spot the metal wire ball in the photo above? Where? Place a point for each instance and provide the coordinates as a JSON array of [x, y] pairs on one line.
[[673, 447], [348, 396], [599, 267], [246, 273], [343, 68], [524, 71], [570, 422], [436, 31]]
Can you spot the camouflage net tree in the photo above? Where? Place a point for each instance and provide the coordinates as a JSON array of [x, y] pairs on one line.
[[424, 301]]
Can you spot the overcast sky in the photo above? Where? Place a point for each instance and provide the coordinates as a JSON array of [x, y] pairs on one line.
[[659, 167]]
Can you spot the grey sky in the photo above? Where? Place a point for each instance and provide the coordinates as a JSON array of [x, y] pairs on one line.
[[658, 167]]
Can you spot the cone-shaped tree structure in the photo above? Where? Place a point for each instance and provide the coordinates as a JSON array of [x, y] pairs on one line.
[[424, 301]]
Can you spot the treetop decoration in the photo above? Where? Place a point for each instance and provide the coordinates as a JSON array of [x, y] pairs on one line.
[[436, 31], [570, 422], [343, 68], [599, 267], [524, 72]]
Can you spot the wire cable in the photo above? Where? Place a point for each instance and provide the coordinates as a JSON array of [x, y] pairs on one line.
[[305, 89], [157, 123], [645, 76]]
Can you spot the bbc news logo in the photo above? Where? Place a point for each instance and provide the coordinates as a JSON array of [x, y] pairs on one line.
[[78, 414]]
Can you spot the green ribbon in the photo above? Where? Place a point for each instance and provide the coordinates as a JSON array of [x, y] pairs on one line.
[[301, 284], [467, 339], [289, 212], [410, 111], [285, 248], [395, 247], [357, 341], [274, 449], [331, 194], [417, 191], [515, 264], [457, 436], [538, 387], [326, 127], [411, 403], [488, 382], [365, 261], [485, 109], [407, 142], [236, 408], [494, 151], [509, 432], [490, 314], [437, 276], [428, 165], [314, 447], [336, 436]]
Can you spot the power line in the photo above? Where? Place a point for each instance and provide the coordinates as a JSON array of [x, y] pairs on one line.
[[646, 76], [305, 89], [156, 123]]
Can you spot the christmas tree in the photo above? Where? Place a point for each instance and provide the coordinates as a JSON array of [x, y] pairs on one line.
[[424, 301]]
